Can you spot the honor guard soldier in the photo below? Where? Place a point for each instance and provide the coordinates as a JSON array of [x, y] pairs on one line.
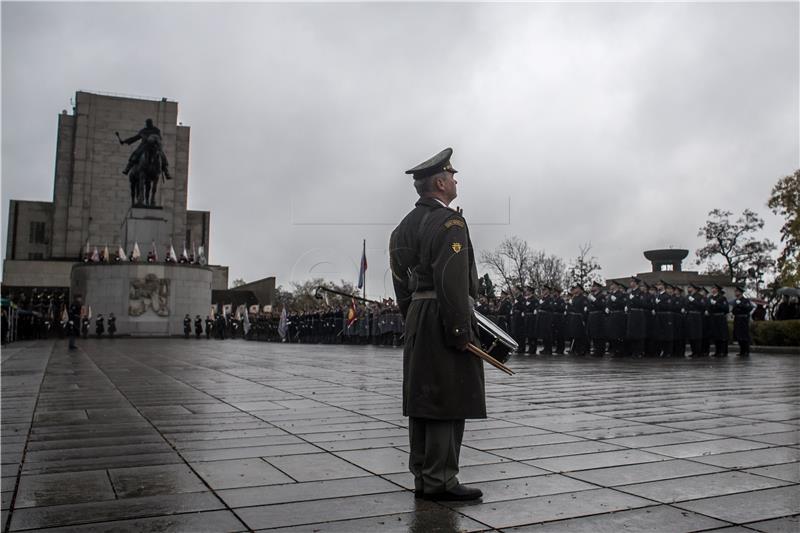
[[198, 327], [112, 325], [718, 321], [636, 330], [615, 323], [544, 321], [662, 330], [559, 307], [530, 319], [705, 344], [695, 309], [435, 280], [678, 322], [577, 310], [518, 319], [596, 319], [741, 309], [99, 325], [504, 307], [187, 326]]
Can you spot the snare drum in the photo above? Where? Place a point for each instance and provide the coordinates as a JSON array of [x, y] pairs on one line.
[[494, 340]]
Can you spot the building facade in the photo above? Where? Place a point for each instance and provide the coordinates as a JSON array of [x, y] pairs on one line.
[[91, 196]]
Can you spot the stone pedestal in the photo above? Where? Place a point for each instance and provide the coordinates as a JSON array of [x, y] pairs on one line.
[[148, 299], [146, 225]]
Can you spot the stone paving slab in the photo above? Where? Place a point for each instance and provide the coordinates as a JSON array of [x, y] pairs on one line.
[[196, 436]]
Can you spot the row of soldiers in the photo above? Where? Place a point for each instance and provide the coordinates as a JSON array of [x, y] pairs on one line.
[[221, 326], [642, 319], [380, 325]]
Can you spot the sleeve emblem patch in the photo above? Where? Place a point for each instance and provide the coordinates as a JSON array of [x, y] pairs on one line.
[[456, 246], [454, 222]]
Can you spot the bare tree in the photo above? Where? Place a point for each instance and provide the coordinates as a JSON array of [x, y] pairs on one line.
[[547, 270], [584, 269], [509, 261], [238, 282], [734, 243]]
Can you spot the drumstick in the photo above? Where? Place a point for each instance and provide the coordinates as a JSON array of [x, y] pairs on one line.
[[489, 359]]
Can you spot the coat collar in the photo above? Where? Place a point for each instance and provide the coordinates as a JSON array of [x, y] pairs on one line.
[[430, 202]]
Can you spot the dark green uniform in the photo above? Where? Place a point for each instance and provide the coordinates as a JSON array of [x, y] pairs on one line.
[[434, 275]]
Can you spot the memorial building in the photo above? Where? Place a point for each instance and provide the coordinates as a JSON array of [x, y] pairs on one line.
[[94, 208]]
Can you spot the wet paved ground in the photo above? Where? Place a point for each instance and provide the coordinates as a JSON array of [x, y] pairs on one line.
[[175, 435]]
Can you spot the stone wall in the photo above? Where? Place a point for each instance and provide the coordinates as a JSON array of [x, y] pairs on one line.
[[36, 273], [108, 288]]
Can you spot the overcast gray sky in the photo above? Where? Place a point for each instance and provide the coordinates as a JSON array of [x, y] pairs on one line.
[[616, 124]]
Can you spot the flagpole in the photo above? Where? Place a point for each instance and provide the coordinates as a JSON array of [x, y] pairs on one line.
[[364, 254]]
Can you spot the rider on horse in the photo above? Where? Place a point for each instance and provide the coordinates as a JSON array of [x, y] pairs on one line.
[[148, 130]]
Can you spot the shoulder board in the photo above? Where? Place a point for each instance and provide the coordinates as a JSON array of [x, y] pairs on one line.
[[454, 222]]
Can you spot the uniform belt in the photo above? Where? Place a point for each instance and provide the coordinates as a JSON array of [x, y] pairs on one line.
[[594, 312], [424, 295], [574, 313], [696, 312]]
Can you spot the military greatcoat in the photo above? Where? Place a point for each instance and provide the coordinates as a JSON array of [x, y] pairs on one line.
[[431, 256]]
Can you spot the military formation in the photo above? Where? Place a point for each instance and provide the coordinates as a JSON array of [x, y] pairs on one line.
[[640, 320]]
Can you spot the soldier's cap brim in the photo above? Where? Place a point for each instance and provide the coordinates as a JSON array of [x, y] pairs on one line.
[[438, 163], [637, 280], [739, 288]]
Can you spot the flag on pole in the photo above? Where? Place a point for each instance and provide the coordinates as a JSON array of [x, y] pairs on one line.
[[89, 313], [362, 273], [283, 324], [95, 255], [155, 252], [121, 254], [246, 321], [171, 254], [201, 255], [185, 254], [105, 254], [352, 314], [136, 254], [87, 252]]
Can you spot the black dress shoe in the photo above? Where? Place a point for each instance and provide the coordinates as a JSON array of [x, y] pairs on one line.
[[418, 493], [459, 493]]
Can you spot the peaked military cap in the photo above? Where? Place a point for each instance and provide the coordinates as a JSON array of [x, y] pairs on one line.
[[434, 165], [719, 288], [597, 284], [637, 280]]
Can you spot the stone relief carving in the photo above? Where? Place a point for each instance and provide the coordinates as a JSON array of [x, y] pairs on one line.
[[150, 293]]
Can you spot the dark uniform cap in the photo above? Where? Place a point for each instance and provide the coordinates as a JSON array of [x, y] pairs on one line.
[[637, 280], [739, 288], [596, 284], [434, 165], [718, 287], [695, 287]]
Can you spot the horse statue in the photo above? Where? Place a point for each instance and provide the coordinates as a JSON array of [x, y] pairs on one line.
[[145, 165], [146, 172]]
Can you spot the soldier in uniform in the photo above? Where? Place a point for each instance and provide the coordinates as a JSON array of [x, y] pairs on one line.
[[615, 322], [99, 325], [209, 326], [662, 331], [678, 322], [198, 327], [518, 319], [577, 310], [530, 319], [705, 343], [741, 309], [112, 325], [636, 329], [504, 307], [559, 309], [695, 310], [544, 321], [187, 326], [595, 320], [435, 280], [718, 321]]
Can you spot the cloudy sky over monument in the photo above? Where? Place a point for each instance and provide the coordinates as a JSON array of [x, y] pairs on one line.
[[621, 125]]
